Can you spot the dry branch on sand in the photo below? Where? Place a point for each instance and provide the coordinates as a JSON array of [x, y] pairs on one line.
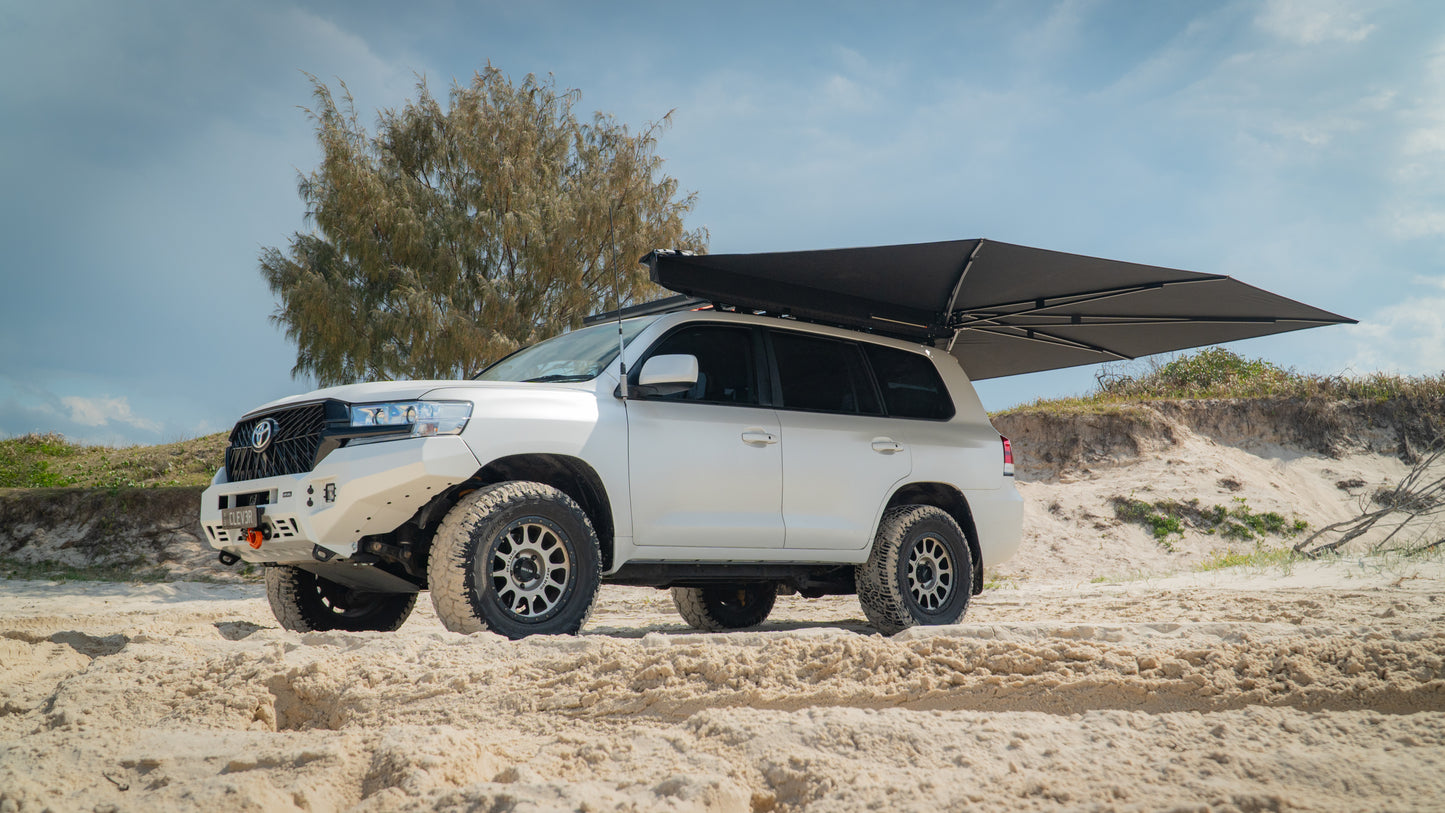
[[1413, 502]]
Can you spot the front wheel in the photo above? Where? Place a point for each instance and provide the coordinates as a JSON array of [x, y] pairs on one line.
[[305, 602], [725, 606], [920, 571], [517, 558]]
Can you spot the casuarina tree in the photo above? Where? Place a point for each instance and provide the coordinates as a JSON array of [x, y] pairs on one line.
[[452, 236]]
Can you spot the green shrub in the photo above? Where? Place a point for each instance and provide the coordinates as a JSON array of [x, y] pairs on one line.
[[1259, 557], [1164, 518], [25, 461], [1207, 373], [1160, 524]]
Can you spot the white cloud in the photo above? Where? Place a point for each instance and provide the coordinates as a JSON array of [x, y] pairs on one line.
[[1416, 208], [377, 81], [1312, 22], [1277, 107], [105, 410], [1058, 33], [1426, 139], [1406, 338], [855, 86], [851, 61], [843, 94], [1414, 223]]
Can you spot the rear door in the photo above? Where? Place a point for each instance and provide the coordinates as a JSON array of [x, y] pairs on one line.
[[706, 464], [840, 461]]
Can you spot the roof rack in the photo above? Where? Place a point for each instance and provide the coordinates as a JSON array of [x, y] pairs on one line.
[[672, 304]]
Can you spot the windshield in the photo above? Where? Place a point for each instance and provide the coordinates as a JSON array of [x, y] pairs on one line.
[[577, 356]]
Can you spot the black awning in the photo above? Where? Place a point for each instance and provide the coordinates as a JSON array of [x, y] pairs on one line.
[[1002, 309]]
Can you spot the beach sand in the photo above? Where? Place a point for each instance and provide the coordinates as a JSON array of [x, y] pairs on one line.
[[1317, 687]]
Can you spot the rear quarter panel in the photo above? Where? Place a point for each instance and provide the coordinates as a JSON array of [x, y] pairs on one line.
[[964, 451]]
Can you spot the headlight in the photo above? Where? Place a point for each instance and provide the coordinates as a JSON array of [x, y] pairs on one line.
[[418, 418]]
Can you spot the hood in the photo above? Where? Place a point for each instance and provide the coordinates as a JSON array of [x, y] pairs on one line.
[[364, 393], [374, 391]]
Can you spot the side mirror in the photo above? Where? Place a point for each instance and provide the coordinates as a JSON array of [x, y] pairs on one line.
[[668, 375]]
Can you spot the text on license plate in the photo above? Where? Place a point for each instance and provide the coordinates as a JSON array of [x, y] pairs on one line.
[[243, 517]]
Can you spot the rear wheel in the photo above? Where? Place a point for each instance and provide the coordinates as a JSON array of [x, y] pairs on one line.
[[725, 606], [920, 570], [305, 602], [517, 558]]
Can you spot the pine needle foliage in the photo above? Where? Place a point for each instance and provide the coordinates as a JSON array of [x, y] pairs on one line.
[[453, 236]]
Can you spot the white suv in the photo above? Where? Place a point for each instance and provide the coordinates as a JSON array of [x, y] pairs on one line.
[[746, 456]]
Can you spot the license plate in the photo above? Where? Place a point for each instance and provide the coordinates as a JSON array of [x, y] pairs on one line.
[[243, 517]]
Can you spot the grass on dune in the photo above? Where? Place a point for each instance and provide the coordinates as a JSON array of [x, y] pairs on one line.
[[51, 461], [1219, 373]]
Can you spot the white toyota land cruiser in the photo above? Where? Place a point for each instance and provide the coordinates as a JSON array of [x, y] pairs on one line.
[[745, 455], [813, 431]]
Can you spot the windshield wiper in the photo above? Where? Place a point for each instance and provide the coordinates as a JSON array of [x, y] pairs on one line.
[[572, 377]]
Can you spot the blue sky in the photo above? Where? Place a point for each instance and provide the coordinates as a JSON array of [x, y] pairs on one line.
[[150, 150]]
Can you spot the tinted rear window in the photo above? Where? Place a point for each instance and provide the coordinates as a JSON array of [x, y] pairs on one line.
[[823, 374], [910, 383]]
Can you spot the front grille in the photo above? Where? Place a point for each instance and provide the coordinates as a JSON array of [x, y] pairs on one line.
[[293, 449]]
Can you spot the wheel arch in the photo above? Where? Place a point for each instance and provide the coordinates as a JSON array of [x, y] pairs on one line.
[[951, 500], [570, 475]]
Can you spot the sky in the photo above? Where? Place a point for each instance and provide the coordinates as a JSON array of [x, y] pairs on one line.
[[149, 151]]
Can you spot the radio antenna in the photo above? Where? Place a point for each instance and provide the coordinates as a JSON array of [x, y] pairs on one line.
[[617, 300]]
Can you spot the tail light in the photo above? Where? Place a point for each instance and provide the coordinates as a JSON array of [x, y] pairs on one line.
[[1008, 457]]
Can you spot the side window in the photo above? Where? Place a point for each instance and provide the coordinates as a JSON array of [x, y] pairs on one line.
[[725, 366], [823, 374], [910, 383]]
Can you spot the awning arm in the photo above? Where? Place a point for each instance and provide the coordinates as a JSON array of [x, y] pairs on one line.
[[1123, 320], [952, 298], [991, 313], [1045, 337]]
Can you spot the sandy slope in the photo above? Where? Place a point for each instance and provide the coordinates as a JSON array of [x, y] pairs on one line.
[[1322, 689], [1070, 528]]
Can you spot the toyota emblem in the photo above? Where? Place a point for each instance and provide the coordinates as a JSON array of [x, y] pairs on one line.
[[262, 435]]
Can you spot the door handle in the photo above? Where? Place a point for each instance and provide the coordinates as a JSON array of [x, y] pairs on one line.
[[759, 437], [886, 445]]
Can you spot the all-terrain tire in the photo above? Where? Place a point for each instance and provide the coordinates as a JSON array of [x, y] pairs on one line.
[[725, 606], [305, 602], [919, 572], [518, 558]]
